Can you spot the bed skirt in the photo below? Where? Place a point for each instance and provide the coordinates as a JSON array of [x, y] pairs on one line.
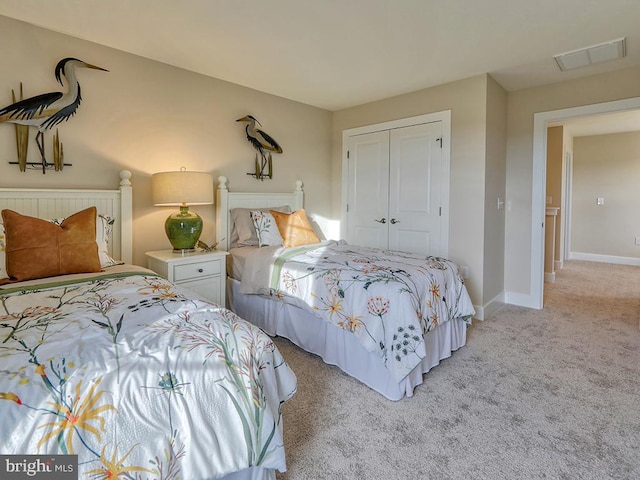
[[253, 473], [339, 347]]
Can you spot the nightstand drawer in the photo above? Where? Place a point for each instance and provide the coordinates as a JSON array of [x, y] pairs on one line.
[[196, 269]]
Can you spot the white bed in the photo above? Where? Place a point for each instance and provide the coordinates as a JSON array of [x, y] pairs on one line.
[[48, 203], [72, 345], [336, 346]]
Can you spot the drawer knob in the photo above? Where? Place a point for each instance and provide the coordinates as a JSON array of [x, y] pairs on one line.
[[200, 270]]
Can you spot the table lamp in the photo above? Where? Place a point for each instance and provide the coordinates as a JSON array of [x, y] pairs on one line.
[[182, 188]]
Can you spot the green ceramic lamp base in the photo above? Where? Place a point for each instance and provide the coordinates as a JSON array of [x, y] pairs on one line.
[[183, 229]]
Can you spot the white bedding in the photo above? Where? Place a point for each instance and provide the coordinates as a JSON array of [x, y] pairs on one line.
[[388, 300], [237, 259], [340, 347], [139, 378]]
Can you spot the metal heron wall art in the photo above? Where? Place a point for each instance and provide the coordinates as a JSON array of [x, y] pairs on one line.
[[49, 109], [264, 144]]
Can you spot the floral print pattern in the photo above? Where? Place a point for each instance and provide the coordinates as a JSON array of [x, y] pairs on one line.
[[119, 369], [266, 228], [388, 299]]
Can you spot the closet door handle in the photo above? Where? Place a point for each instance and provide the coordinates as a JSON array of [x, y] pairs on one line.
[[394, 221], [382, 220]]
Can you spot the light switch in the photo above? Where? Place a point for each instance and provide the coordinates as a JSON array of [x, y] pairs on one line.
[[600, 201]]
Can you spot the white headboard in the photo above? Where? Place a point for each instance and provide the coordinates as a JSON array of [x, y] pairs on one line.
[[50, 203], [226, 200]]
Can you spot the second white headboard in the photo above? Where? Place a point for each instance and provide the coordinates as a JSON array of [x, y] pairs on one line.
[[226, 200]]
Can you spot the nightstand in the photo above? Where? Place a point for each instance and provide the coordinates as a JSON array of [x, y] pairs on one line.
[[202, 272]]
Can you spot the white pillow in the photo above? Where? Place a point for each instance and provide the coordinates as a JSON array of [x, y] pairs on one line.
[[3, 257], [266, 229], [104, 229], [243, 233]]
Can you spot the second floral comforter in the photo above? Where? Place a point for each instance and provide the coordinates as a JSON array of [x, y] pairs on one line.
[[388, 299]]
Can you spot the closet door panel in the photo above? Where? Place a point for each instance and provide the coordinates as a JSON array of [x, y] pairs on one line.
[[415, 170], [368, 191]]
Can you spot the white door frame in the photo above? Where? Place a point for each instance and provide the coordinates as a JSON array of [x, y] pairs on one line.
[[445, 118], [539, 181]]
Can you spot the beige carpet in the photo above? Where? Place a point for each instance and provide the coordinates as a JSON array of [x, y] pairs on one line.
[[552, 393]]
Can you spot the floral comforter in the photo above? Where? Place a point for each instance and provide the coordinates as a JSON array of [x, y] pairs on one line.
[[388, 299], [139, 380]]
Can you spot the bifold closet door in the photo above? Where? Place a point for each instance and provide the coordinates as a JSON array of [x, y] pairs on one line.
[[394, 189]]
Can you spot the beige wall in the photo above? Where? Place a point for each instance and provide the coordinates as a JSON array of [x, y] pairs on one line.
[[606, 166], [555, 137], [496, 158], [567, 144], [467, 100], [148, 117], [522, 105], [555, 168]]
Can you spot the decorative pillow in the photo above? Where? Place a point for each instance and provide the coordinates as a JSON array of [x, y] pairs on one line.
[[243, 233], [266, 229], [37, 248], [104, 228], [295, 228]]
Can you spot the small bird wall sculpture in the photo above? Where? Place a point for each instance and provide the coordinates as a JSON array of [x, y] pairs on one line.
[[49, 109], [264, 144]]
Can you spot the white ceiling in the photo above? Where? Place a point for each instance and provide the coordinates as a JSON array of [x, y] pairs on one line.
[[339, 53]]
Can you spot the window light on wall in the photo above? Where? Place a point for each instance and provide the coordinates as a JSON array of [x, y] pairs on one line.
[[603, 52]]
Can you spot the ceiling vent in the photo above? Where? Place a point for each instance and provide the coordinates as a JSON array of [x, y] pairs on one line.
[[583, 57]]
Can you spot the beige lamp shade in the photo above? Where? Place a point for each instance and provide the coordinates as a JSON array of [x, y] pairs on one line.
[[182, 188]]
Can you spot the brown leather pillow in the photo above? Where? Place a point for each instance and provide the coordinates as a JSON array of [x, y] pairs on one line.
[[37, 248], [295, 228]]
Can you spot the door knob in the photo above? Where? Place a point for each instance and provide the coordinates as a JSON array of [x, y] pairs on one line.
[[382, 220], [394, 221]]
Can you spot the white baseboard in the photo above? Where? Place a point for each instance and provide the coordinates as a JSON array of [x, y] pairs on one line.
[[550, 277], [594, 257], [559, 264], [521, 300], [485, 311]]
